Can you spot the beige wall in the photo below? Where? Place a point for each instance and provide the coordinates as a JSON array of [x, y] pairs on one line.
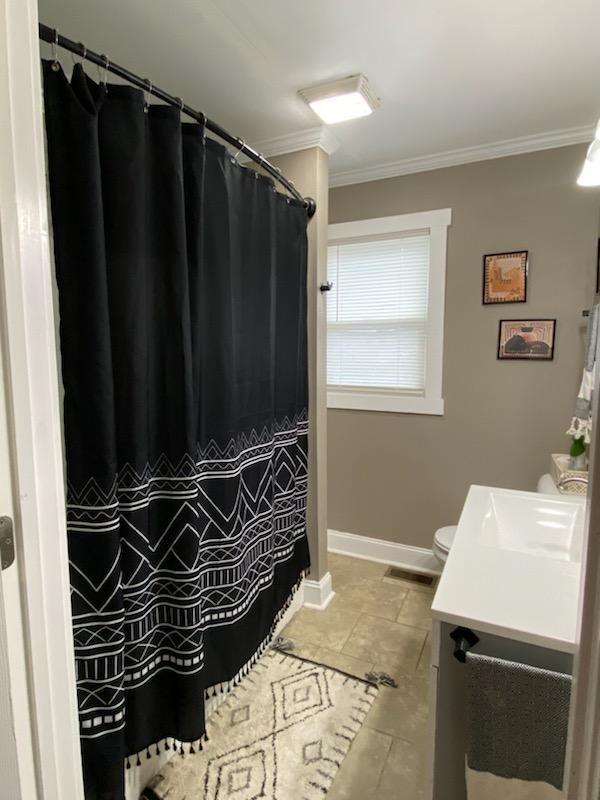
[[309, 169], [398, 476]]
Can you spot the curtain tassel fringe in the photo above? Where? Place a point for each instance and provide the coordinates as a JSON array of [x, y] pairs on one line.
[[224, 687]]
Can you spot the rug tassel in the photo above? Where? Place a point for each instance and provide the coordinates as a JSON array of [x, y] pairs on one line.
[[148, 753], [128, 762], [138, 763]]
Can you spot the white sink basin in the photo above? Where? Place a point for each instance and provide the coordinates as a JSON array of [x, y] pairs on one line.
[[514, 567], [537, 524]]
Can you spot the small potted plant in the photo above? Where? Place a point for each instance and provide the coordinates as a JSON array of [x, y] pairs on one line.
[[577, 453]]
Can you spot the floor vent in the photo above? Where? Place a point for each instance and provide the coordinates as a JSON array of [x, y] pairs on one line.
[[405, 575]]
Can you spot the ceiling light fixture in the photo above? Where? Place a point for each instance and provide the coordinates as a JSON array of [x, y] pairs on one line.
[[590, 172], [336, 101]]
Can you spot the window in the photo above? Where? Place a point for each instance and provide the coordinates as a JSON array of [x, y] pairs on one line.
[[385, 313]]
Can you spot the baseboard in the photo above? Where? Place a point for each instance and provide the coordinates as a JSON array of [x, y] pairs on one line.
[[318, 594], [294, 606], [417, 559]]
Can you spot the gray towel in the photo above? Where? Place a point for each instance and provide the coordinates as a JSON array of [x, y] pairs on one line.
[[517, 719]]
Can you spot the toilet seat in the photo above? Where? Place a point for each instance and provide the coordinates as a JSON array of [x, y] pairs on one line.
[[442, 541]]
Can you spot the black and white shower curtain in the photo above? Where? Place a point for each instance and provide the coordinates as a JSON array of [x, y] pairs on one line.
[[182, 294]]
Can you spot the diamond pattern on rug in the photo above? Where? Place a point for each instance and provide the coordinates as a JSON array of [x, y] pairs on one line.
[[280, 735]]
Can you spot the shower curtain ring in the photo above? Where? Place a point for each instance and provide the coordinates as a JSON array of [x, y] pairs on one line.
[[203, 125], [262, 161], [55, 62], [104, 74], [242, 145], [147, 93], [83, 54]]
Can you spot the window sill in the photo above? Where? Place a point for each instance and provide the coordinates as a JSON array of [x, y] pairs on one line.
[[395, 403]]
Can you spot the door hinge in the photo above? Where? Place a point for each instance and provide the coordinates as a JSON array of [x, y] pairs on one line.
[[7, 542]]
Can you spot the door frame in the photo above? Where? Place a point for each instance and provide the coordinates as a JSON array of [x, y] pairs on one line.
[[26, 294], [583, 751], [9, 764]]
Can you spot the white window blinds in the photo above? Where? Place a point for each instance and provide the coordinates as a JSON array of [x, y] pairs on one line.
[[377, 312]]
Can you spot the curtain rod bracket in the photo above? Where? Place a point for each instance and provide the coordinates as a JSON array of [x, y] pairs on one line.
[[464, 639]]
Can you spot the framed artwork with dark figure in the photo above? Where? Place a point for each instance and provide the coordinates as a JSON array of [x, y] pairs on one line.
[[505, 277], [526, 339]]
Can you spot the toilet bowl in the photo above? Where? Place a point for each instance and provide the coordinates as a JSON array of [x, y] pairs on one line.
[[546, 485], [442, 542]]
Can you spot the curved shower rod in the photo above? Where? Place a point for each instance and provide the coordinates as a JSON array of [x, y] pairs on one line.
[[54, 38]]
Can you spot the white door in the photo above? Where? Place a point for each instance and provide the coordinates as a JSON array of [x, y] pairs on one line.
[[16, 752], [40, 756], [9, 768]]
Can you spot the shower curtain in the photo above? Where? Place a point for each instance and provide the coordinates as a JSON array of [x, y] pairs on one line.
[[182, 295]]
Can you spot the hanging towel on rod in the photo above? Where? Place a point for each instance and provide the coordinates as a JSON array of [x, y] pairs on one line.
[[517, 718], [581, 423]]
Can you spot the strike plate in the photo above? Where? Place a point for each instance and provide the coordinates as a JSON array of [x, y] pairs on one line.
[[7, 542]]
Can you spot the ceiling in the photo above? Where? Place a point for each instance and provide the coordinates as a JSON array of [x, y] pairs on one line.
[[451, 75]]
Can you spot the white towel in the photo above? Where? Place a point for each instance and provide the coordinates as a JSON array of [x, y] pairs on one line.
[[581, 423], [485, 786]]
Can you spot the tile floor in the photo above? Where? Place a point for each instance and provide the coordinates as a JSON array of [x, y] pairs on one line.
[[374, 622]]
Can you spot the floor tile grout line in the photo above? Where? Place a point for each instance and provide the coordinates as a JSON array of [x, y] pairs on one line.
[[383, 766], [403, 602], [422, 650], [414, 742], [360, 614]]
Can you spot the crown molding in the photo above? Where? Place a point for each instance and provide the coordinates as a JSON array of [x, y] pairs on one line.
[[464, 155], [300, 140]]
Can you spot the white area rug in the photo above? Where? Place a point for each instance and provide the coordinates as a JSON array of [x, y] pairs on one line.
[[280, 735]]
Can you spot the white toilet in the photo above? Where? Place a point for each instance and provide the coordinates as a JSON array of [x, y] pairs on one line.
[[546, 485], [443, 537], [442, 542]]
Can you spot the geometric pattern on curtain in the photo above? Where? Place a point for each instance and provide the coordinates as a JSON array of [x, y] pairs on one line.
[[211, 590], [182, 296]]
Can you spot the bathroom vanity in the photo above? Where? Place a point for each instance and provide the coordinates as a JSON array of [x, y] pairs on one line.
[[512, 577]]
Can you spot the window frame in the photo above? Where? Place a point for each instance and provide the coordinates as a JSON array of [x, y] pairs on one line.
[[396, 400]]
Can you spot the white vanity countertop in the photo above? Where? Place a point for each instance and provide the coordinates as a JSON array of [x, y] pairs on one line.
[[514, 567]]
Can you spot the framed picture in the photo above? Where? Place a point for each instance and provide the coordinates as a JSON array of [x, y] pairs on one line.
[[505, 277], [526, 339]]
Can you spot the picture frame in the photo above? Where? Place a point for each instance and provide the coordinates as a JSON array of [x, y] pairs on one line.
[[505, 277], [526, 339]]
